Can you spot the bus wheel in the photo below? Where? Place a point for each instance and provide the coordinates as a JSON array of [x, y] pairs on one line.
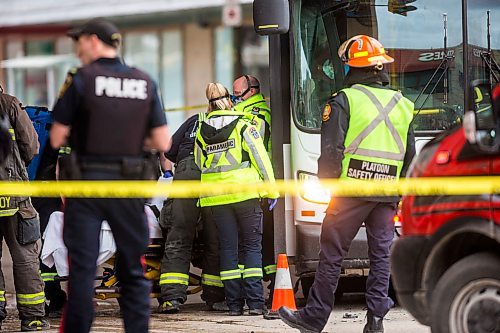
[[467, 297]]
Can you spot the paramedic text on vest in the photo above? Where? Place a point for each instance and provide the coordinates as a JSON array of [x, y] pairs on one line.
[[229, 149], [19, 223], [365, 134], [108, 112]]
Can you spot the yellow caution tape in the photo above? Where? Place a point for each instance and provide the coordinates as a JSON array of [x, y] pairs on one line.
[[187, 108], [195, 189], [192, 107]]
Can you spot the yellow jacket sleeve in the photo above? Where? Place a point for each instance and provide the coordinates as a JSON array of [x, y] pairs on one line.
[[253, 144]]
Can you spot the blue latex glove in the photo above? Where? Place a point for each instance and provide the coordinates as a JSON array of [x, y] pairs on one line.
[[272, 203], [168, 174]]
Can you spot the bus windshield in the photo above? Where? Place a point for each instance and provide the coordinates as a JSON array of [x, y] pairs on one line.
[[428, 69]]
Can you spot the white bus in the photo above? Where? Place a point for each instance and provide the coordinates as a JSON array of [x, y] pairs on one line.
[[432, 43]]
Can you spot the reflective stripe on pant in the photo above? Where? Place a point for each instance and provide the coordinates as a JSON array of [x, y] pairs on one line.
[[27, 280], [48, 277], [31, 299], [243, 219], [174, 278], [178, 219], [337, 233], [271, 269], [211, 280]]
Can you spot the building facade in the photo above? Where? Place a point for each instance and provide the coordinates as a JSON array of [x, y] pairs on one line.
[[182, 44]]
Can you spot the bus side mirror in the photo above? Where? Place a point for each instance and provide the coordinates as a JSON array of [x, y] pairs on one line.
[[271, 17], [480, 125]]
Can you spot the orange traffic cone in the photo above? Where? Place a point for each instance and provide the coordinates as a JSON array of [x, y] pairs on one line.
[[283, 291]]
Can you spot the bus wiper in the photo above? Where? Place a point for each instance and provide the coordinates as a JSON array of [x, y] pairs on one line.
[[487, 56], [444, 66]]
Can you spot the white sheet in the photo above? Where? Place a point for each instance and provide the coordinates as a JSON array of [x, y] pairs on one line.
[[54, 252]]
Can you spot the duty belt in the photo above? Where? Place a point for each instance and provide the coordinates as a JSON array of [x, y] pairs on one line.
[[94, 166]]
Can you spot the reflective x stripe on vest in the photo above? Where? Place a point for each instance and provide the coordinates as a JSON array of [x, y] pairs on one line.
[[229, 161], [174, 278], [31, 299], [211, 280], [2, 296], [376, 139]]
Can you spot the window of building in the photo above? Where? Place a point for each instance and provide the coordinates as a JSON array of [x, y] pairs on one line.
[[224, 56], [39, 47], [172, 76], [142, 50], [255, 56]]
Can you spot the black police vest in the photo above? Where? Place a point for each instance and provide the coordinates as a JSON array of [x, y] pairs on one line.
[[116, 111]]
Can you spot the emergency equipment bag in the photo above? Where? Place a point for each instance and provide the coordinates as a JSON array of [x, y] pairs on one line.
[[42, 121]]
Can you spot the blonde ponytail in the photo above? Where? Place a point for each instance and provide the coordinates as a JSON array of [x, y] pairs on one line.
[[218, 97]]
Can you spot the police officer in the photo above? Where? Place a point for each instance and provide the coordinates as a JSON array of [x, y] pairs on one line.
[[365, 134], [19, 223], [229, 149], [248, 98], [110, 112], [179, 219]]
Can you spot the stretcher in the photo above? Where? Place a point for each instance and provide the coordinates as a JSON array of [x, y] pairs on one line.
[[55, 253]]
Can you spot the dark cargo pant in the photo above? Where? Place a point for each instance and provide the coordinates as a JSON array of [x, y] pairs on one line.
[[341, 224], [178, 220], [243, 219], [213, 288], [29, 285]]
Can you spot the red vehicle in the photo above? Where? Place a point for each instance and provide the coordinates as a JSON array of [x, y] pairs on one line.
[[446, 265]]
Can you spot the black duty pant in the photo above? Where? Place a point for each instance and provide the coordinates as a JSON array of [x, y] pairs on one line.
[[179, 219], [341, 224], [82, 225], [53, 291], [243, 219]]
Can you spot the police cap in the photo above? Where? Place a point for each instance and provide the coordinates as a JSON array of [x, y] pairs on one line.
[[104, 30]]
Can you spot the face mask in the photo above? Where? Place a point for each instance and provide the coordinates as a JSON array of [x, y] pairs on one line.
[[236, 99], [239, 98]]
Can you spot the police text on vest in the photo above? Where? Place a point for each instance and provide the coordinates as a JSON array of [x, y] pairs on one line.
[[121, 88]]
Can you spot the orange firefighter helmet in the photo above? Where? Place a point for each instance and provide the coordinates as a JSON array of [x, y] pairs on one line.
[[363, 51]]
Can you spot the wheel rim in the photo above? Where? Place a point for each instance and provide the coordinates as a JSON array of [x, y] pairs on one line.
[[476, 308]]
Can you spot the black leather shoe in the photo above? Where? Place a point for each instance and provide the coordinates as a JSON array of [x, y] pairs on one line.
[[375, 324], [292, 319]]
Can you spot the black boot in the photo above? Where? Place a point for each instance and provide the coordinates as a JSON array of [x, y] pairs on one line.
[[375, 324], [170, 307], [293, 319]]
